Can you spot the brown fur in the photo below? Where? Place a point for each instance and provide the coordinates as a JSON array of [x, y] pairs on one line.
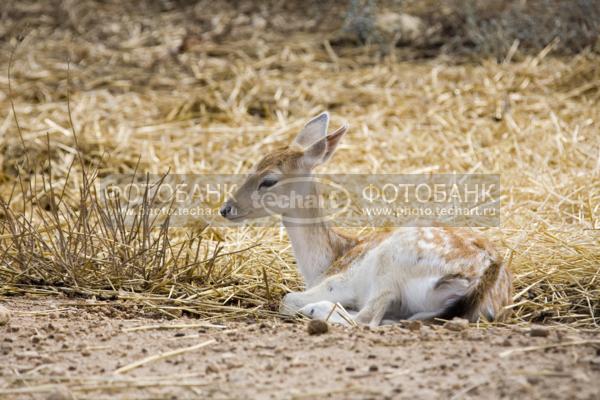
[[285, 158], [500, 295], [494, 288], [359, 249]]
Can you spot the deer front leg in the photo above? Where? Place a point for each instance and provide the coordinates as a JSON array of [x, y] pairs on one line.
[[327, 311], [333, 289], [293, 302]]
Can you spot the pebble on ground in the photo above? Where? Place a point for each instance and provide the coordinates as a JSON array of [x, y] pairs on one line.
[[4, 315], [317, 327]]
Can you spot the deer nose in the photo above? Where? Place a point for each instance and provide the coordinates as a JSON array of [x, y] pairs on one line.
[[226, 210]]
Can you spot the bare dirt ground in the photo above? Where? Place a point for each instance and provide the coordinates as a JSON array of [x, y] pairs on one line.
[[61, 349]]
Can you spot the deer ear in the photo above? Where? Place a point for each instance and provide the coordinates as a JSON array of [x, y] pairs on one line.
[[314, 154], [333, 140], [314, 130], [323, 149]]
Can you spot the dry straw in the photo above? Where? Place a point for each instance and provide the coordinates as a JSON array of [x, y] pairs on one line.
[[158, 90]]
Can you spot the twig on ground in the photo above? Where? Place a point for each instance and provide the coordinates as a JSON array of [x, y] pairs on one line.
[[162, 356]]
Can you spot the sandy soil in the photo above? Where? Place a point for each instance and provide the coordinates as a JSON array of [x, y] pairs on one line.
[[61, 349]]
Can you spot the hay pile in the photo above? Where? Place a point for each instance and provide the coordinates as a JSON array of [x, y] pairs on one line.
[[170, 86]]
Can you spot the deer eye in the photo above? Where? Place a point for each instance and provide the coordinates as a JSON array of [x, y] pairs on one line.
[[267, 183]]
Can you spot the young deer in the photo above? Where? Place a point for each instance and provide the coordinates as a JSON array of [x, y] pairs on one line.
[[410, 273]]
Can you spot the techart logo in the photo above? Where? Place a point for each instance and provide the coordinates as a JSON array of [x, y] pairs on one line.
[[304, 200]]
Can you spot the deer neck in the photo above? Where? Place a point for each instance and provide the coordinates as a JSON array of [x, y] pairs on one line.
[[316, 245]]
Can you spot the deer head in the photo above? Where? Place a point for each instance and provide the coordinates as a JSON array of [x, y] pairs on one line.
[[280, 173]]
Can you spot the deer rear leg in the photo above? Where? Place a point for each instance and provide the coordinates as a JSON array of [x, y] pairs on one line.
[[374, 311]]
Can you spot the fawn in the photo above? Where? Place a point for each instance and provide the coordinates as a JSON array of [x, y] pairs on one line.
[[410, 273]]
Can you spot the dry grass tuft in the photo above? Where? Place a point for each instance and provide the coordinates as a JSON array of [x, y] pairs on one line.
[[491, 28], [471, 29], [202, 94]]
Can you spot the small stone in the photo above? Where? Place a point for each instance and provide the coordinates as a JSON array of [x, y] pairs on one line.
[[233, 365], [317, 327], [212, 369], [350, 369], [538, 331], [580, 375], [414, 325], [4, 315], [595, 361], [533, 380], [373, 368], [27, 354], [457, 324], [60, 393]]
